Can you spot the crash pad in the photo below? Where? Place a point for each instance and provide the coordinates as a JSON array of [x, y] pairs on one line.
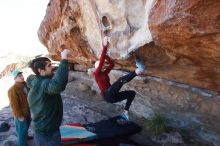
[[75, 133], [111, 128], [104, 129]]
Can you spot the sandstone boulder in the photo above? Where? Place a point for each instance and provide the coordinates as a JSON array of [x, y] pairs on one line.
[[190, 32]]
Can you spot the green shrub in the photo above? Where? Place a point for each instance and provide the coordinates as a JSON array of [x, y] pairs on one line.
[[157, 124]]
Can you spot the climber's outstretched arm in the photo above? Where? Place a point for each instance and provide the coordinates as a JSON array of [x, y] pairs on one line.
[[102, 57]]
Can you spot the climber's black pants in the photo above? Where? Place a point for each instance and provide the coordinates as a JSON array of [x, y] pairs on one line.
[[112, 94]]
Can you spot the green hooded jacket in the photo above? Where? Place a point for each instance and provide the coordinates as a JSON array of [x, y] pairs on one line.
[[45, 101]]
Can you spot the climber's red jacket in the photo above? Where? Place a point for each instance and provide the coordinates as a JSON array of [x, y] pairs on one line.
[[101, 77]]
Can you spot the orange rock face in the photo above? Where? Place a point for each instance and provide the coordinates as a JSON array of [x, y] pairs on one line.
[[190, 32], [59, 30], [185, 45]]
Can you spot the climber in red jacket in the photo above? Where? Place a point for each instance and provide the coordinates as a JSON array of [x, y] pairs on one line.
[[109, 92]]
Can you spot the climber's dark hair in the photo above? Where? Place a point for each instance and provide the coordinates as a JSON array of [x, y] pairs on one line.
[[37, 63]]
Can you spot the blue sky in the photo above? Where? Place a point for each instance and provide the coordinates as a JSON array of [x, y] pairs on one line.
[[20, 20]]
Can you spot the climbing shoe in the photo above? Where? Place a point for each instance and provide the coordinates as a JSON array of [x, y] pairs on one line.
[[139, 64], [124, 116]]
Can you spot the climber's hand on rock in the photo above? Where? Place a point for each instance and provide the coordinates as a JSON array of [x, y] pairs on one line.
[[64, 54]]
